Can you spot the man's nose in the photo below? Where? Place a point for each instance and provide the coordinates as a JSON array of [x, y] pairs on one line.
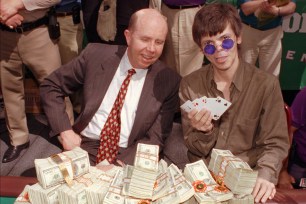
[[151, 46]]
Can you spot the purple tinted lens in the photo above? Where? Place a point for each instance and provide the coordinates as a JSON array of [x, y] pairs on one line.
[[209, 49], [227, 43]]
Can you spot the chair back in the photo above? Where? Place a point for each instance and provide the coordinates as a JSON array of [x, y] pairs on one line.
[[289, 119]]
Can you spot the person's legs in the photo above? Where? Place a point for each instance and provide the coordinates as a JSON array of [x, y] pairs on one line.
[[42, 57], [249, 47], [271, 50], [12, 86], [188, 54], [180, 51], [70, 46]]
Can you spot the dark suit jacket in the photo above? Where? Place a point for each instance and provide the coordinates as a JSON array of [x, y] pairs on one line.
[[93, 70]]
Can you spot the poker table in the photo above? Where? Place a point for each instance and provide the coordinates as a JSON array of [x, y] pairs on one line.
[[12, 186]]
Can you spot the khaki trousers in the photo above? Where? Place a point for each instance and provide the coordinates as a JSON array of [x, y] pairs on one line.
[[70, 46], [266, 46], [180, 51], [36, 50]]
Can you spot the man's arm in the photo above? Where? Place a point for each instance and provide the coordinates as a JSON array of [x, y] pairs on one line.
[[250, 6], [58, 85], [285, 180], [199, 141], [9, 8], [272, 142]]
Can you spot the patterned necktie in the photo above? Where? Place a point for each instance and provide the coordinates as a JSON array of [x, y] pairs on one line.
[[110, 134]]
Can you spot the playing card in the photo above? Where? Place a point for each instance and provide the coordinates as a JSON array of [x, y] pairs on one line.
[[187, 106], [198, 104], [220, 106]]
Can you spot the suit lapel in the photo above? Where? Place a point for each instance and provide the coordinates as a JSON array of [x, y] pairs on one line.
[[103, 79]]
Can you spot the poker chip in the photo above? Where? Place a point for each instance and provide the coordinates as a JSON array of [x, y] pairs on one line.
[[199, 186], [221, 189]]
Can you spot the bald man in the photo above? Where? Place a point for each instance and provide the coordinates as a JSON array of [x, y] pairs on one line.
[[151, 98]]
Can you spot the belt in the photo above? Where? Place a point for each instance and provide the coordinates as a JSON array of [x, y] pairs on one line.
[[184, 7], [63, 14], [24, 27]]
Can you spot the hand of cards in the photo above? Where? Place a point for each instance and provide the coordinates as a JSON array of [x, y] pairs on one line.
[[217, 106]]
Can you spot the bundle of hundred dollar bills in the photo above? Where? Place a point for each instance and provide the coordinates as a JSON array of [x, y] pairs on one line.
[[149, 181], [236, 174]]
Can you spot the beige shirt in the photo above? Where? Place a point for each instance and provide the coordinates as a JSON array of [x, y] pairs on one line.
[[36, 9], [254, 128]]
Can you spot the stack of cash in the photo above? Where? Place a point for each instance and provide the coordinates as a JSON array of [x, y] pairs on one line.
[[113, 195], [62, 167], [162, 184], [242, 199], [97, 191], [23, 198], [143, 174], [37, 194], [236, 174], [179, 184], [206, 188], [77, 192]]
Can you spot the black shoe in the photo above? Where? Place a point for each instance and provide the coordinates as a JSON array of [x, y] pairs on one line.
[[13, 152]]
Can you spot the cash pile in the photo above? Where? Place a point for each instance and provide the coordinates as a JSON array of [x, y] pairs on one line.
[[78, 192], [179, 184], [242, 199], [37, 194], [143, 175], [113, 195], [97, 191], [206, 188], [23, 198], [62, 167], [236, 174]]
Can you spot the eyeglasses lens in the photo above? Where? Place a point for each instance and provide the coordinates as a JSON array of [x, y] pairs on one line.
[[226, 44]]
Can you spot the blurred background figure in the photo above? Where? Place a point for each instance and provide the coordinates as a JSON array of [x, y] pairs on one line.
[[294, 175], [68, 14], [25, 40], [262, 31], [124, 10], [181, 52]]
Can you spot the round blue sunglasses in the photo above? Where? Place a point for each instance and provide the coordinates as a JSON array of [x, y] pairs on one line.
[[211, 48]]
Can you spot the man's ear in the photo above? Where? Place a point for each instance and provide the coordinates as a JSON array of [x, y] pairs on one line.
[[127, 35], [239, 40]]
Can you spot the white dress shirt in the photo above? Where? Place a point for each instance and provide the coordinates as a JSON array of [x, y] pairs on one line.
[[130, 105]]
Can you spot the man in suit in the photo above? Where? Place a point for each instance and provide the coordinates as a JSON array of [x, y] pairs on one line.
[[150, 102]]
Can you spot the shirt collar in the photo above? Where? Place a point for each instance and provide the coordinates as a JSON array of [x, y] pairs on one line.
[[125, 65], [237, 79]]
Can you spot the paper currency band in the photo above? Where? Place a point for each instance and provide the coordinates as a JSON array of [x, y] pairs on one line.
[[144, 202], [58, 160], [222, 171]]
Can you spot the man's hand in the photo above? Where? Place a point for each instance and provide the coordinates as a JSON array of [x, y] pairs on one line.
[[14, 21], [70, 139], [200, 120], [269, 8], [8, 8], [285, 180], [263, 190]]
